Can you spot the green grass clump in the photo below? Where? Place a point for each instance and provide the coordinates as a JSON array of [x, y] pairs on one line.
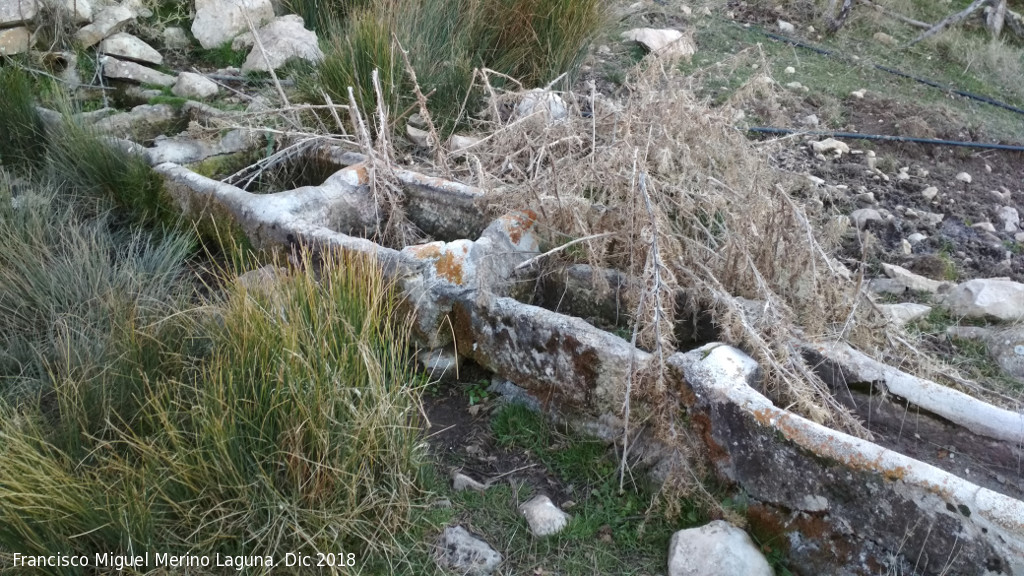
[[533, 41], [23, 140], [320, 15], [293, 429], [95, 167], [81, 310], [355, 49], [222, 56]]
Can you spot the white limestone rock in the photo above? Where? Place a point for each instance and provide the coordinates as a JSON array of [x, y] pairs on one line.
[[418, 137], [984, 226], [905, 313], [543, 103], [463, 553], [929, 193], [15, 12], [830, 146], [440, 363], [911, 281], [219, 21], [994, 298], [128, 47], [1010, 218], [15, 41], [194, 86], [786, 27], [715, 549], [125, 70], [460, 143], [462, 482], [964, 177], [863, 217], [662, 41], [108, 21], [543, 517], [282, 39]]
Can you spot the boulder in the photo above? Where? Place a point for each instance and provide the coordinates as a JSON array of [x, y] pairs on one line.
[[543, 517], [15, 41], [929, 193], [964, 177], [15, 12], [715, 549], [463, 553], [108, 21], [786, 27], [194, 86], [662, 42], [125, 70], [993, 298], [126, 46], [283, 39], [219, 21]]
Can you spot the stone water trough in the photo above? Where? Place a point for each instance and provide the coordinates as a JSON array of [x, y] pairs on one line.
[[939, 492]]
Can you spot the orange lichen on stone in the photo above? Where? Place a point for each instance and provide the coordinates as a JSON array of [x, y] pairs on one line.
[[362, 176], [846, 455], [425, 251], [518, 223], [449, 267]]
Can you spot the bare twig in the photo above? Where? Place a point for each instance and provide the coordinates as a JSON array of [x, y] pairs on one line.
[[439, 152], [896, 15], [532, 261], [949, 21]]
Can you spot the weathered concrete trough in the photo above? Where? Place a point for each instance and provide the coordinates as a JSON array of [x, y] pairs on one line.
[[845, 505]]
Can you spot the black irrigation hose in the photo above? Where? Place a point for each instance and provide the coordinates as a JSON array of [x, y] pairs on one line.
[[858, 136], [895, 72]]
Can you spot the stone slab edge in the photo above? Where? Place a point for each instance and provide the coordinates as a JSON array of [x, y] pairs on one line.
[[973, 414], [718, 376]]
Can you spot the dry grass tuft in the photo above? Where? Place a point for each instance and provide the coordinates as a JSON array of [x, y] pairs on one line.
[[685, 202]]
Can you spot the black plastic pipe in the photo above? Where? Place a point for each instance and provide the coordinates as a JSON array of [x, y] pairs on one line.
[[858, 136]]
